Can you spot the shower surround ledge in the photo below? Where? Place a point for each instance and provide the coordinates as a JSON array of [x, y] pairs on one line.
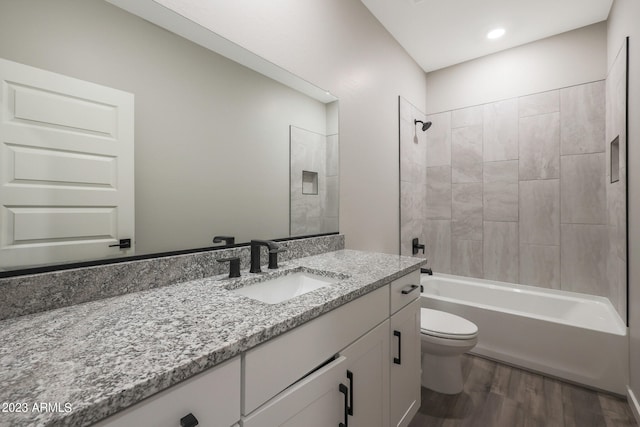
[[34, 293], [106, 355]]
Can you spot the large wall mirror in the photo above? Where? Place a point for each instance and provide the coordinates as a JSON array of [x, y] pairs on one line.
[[213, 138]]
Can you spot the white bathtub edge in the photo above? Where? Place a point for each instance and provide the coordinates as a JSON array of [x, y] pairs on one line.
[[633, 403]]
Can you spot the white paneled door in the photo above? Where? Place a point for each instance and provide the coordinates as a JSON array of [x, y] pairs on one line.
[[66, 168]]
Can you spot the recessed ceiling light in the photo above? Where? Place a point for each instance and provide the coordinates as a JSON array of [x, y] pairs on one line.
[[495, 33]]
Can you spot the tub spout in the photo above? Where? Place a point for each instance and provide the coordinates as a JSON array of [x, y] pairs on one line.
[[426, 270]]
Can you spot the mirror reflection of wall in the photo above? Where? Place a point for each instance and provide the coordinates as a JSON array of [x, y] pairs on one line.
[[211, 136]]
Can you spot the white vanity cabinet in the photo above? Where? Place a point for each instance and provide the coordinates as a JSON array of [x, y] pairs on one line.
[[296, 377], [354, 366], [405, 349], [352, 389], [367, 378], [212, 398]]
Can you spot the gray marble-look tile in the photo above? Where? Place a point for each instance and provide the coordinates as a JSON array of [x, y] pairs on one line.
[[617, 281], [439, 140], [616, 102], [582, 118], [539, 212], [617, 215], [466, 211], [438, 245], [500, 130], [333, 197], [438, 192], [539, 139], [539, 103], [333, 154], [466, 154], [469, 116], [500, 251], [582, 185], [540, 266], [466, 258], [500, 191], [583, 259]]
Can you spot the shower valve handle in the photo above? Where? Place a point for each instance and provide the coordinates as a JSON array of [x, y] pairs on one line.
[[416, 246]]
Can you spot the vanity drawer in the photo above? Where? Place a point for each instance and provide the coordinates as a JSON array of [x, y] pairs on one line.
[[410, 284], [275, 365], [213, 397]]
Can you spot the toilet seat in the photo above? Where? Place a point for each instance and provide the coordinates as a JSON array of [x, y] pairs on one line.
[[446, 325]]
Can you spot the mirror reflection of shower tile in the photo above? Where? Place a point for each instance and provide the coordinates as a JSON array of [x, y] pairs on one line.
[[309, 182]]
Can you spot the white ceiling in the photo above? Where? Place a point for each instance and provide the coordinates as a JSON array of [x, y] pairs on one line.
[[440, 33]]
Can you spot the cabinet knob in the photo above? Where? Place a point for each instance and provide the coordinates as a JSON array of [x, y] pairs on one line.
[[188, 421]]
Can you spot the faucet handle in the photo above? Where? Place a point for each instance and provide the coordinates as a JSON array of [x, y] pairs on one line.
[[234, 266], [273, 257], [228, 240]]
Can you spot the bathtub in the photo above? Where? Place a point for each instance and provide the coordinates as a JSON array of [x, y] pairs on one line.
[[575, 337]]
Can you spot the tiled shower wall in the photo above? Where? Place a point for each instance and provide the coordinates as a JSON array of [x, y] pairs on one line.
[[616, 126], [312, 152], [514, 191]]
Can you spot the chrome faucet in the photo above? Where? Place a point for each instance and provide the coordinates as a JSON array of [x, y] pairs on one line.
[[274, 249]]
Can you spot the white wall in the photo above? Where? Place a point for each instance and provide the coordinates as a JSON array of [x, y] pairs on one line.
[[623, 21], [339, 46], [568, 59]]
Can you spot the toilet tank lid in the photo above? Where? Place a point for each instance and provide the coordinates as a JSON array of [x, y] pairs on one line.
[[445, 323]]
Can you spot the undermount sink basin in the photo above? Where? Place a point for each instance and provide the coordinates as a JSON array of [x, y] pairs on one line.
[[283, 288]]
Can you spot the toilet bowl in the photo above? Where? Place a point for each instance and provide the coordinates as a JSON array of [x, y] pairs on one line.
[[444, 337]]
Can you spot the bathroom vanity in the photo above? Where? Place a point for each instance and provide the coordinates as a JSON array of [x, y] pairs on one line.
[[345, 353]]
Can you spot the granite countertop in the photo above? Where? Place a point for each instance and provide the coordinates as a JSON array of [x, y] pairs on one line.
[[91, 360]]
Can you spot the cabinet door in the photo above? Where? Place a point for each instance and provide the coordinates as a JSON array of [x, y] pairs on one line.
[[315, 401], [405, 364], [212, 397], [367, 376]]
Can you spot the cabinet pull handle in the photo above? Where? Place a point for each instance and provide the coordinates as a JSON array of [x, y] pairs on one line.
[[350, 377], [344, 390], [122, 244], [409, 289], [398, 360], [188, 421]]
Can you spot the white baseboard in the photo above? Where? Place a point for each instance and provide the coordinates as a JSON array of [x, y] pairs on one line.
[[633, 402]]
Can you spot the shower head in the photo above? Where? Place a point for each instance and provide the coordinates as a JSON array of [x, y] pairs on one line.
[[425, 125]]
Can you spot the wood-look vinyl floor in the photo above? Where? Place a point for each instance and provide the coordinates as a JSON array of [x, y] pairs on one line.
[[497, 395]]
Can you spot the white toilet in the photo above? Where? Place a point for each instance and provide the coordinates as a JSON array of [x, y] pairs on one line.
[[444, 338]]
